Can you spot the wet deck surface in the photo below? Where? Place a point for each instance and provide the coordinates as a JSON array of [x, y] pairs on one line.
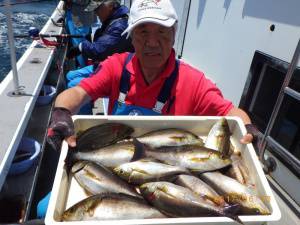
[[35, 182]]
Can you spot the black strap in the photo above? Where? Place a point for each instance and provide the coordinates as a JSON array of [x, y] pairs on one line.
[[111, 22], [125, 77], [165, 92], [116, 19], [106, 25]]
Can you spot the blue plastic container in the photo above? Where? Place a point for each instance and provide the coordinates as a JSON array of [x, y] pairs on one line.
[[47, 96], [26, 145]]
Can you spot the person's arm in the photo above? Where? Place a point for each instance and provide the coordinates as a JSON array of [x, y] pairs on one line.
[[72, 99], [61, 124], [106, 44], [210, 101], [240, 113], [97, 50], [69, 101], [252, 132]]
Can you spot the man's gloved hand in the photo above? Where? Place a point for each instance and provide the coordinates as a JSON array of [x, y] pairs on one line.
[[256, 138], [61, 126], [73, 52]]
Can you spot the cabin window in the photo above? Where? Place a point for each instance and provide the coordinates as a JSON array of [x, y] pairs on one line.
[[266, 77], [265, 94], [286, 128]]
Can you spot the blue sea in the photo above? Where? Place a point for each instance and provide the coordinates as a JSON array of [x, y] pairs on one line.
[[31, 14]]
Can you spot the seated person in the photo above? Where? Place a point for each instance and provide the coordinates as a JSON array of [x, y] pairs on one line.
[[78, 22], [106, 40]]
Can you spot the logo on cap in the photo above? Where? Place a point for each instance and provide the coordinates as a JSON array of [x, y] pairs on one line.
[[147, 3]]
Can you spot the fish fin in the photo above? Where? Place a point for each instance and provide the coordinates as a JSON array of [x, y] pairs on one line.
[[170, 178], [231, 212], [174, 179], [150, 159], [177, 138], [197, 159], [232, 149], [87, 192], [140, 149]]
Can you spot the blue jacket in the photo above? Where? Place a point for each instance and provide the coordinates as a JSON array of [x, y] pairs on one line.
[[107, 38]]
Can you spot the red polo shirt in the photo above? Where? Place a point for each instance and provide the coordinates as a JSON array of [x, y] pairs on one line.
[[192, 93]]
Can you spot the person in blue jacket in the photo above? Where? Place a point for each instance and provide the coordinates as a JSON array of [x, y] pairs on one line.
[[106, 41], [78, 22]]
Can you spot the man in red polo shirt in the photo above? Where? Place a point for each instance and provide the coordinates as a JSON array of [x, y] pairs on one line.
[[149, 82]]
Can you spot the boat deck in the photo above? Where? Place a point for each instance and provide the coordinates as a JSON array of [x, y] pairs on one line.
[[15, 112]]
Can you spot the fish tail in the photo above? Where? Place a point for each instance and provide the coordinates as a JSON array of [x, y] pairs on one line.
[[140, 149], [231, 212], [70, 159], [225, 153]]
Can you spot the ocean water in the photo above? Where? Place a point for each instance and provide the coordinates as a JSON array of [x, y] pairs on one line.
[[34, 14]]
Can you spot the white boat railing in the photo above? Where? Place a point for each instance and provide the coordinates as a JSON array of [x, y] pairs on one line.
[[16, 110]]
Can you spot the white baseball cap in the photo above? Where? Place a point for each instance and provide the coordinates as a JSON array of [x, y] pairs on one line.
[[160, 12]]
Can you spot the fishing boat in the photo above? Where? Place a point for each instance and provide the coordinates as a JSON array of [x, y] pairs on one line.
[[250, 49]]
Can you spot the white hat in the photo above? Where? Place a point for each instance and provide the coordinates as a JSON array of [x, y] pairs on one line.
[[160, 12], [94, 4]]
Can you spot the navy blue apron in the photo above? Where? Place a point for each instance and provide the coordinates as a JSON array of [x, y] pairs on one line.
[[121, 108]]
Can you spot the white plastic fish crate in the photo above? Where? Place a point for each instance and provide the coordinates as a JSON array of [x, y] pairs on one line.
[[66, 192]]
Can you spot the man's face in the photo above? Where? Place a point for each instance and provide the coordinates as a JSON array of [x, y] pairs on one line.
[[153, 44]]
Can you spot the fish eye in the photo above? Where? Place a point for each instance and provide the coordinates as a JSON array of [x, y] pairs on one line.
[[256, 210], [121, 172]]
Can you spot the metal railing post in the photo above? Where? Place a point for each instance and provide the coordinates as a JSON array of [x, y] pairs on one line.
[[12, 48], [278, 103]]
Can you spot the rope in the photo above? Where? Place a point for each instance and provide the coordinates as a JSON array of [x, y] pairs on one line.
[[50, 43]]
